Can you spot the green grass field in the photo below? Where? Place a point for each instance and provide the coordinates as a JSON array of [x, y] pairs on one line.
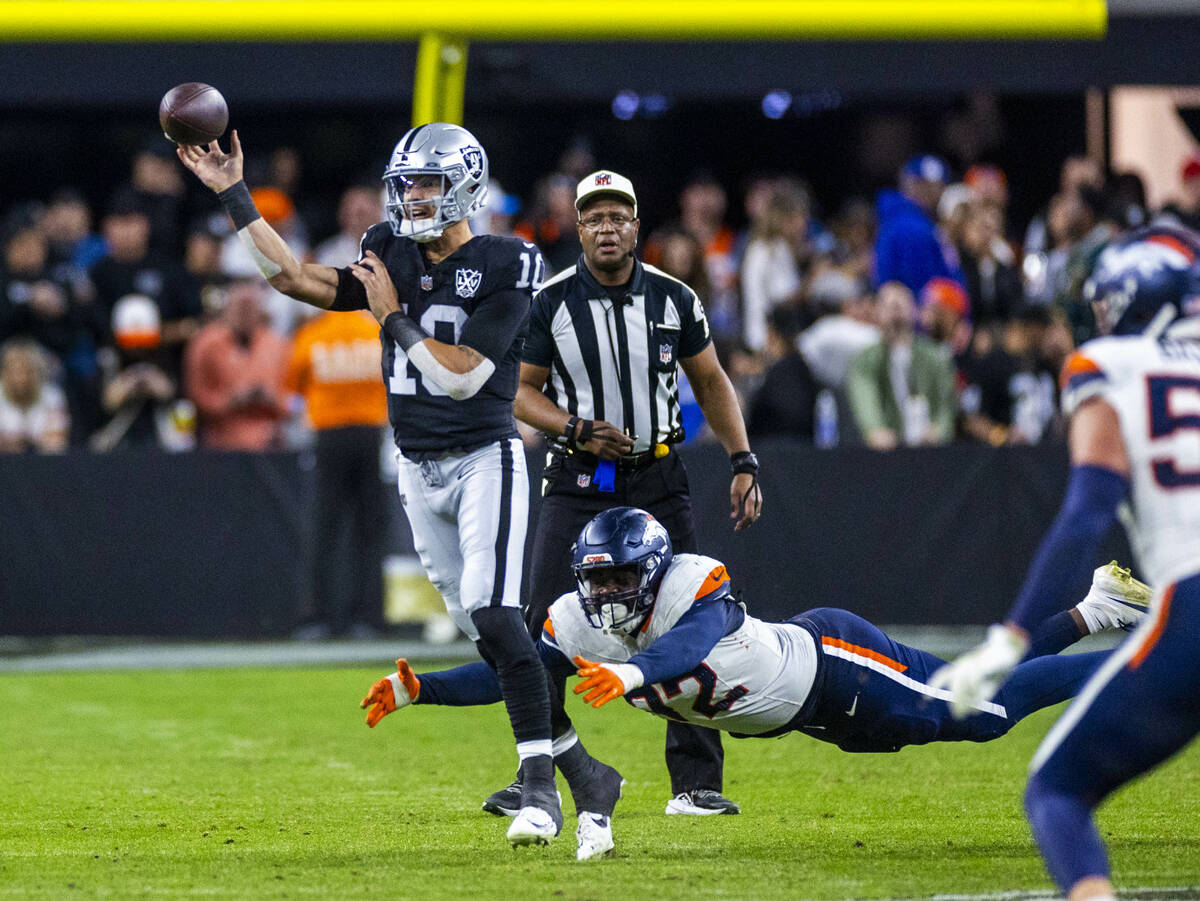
[[264, 783]]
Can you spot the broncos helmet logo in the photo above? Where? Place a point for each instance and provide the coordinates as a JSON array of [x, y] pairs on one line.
[[1143, 278]]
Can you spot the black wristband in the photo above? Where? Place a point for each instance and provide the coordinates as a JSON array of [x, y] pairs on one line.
[[569, 429], [403, 330], [586, 427], [239, 205], [743, 462]]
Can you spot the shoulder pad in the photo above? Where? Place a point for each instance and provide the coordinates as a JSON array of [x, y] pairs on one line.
[[690, 578], [1098, 366], [375, 238], [510, 263], [568, 631]]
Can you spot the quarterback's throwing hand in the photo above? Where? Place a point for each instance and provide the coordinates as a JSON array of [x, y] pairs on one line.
[[215, 168], [976, 676], [391, 693], [605, 682]]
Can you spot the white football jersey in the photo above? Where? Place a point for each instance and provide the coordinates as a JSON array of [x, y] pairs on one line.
[[754, 680], [1154, 387]]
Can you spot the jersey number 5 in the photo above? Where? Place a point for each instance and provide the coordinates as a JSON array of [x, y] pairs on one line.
[[1164, 421], [443, 322]]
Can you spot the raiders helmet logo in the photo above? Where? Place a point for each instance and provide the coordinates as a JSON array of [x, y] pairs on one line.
[[466, 282], [473, 157]]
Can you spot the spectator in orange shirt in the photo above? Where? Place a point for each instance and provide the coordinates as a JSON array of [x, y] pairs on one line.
[[234, 371], [334, 365]]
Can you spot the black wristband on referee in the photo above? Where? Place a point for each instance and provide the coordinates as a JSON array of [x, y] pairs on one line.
[[239, 205], [743, 462], [586, 427], [403, 330], [569, 428]]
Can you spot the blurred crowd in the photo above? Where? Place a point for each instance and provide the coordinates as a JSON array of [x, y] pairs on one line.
[[922, 315]]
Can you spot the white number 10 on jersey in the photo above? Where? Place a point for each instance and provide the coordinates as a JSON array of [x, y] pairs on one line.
[[400, 382]]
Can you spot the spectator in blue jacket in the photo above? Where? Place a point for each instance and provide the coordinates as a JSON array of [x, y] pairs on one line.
[[909, 247]]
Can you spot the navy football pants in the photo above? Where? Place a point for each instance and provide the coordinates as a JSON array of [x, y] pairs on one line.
[[872, 694], [1139, 709]]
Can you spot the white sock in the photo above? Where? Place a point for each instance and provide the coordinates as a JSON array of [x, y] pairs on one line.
[[1093, 624], [565, 742], [527, 749]]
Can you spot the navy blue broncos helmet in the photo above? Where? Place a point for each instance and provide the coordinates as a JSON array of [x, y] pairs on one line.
[[621, 538], [1145, 279]]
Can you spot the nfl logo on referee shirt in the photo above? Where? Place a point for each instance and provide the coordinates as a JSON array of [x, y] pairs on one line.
[[664, 353], [426, 282], [466, 282], [583, 480]]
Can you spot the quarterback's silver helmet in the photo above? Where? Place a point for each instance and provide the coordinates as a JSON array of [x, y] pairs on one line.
[[442, 155]]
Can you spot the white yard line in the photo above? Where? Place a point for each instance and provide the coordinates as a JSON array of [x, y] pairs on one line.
[[19, 655], [156, 654]]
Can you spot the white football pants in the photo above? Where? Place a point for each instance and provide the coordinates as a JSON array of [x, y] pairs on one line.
[[469, 514]]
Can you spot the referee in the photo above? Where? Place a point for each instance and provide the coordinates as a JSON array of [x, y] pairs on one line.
[[599, 371]]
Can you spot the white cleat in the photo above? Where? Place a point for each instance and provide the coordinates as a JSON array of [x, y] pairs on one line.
[[594, 836], [532, 826], [1116, 600]]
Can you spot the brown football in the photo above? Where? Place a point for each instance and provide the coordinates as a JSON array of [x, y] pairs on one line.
[[193, 113]]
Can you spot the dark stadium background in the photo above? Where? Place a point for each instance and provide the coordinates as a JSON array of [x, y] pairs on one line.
[[74, 114]]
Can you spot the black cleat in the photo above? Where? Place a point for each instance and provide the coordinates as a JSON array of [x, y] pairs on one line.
[[703, 802], [506, 802]]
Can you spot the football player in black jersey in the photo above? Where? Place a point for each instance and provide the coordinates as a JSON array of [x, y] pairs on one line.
[[452, 309]]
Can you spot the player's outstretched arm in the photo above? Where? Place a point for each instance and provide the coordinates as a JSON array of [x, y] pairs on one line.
[[605, 682], [222, 173], [391, 693]]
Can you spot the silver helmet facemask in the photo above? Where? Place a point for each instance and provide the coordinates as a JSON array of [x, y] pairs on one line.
[[451, 155]]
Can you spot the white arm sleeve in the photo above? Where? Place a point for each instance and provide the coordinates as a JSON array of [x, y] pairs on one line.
[[459, 385], [265, 265]]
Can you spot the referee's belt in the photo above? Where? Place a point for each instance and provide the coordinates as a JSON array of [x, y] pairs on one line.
[[628, 463]]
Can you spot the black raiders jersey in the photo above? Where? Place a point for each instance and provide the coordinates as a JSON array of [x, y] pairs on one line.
[[479, 296]]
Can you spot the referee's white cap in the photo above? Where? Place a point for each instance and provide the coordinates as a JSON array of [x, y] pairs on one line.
[[605, 181]]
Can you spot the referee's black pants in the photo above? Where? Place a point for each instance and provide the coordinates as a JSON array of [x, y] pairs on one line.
[[570, 499], [350, 528]]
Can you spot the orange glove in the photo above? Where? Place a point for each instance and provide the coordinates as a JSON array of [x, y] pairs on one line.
[[604, 682], [391, 693]]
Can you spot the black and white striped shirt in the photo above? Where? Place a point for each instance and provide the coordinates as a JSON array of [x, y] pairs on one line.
[[617, 360]]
